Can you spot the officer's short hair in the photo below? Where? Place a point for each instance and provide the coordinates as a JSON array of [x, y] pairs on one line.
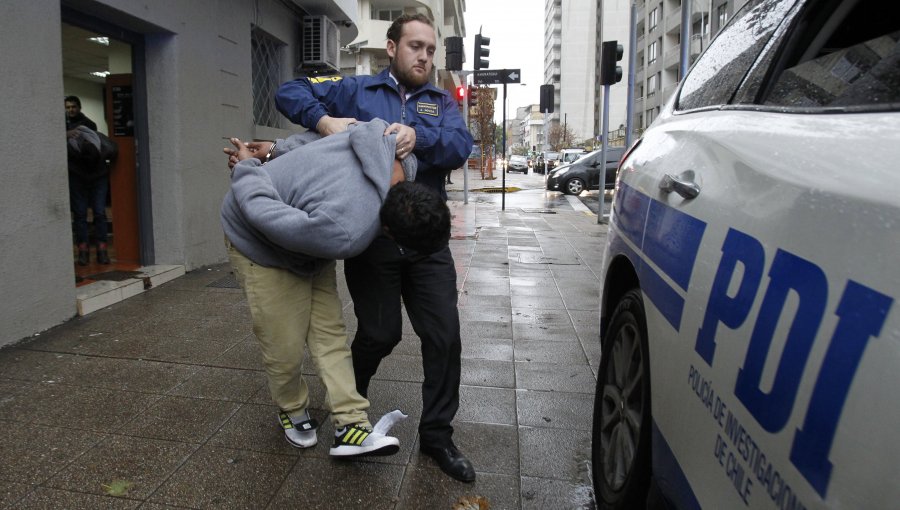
[[396, 28], [72, 99], [416, 217]]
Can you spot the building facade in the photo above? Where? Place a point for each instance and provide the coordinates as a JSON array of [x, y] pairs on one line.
[[658, 62], [573, 33], [173, 80]]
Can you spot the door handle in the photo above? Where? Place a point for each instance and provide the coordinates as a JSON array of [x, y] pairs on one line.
[[682, 184]]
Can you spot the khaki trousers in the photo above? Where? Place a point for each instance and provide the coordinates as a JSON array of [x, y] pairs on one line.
[[291, 313]]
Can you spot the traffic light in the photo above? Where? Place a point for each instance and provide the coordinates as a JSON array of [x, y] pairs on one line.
[[461, 93], [482, 51], [547, 98], [610, 53], [454, 46], [473, 97]]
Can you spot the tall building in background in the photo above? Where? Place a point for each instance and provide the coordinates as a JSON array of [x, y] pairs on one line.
[[658, 59], [573, 32]]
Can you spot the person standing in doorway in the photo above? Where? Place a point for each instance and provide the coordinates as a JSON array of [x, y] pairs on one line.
[[428, 124], [88, 155]]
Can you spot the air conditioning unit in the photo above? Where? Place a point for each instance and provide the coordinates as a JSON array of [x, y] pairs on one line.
[[320, 44]]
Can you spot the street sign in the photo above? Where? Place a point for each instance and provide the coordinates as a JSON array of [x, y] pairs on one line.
[[497, 76]]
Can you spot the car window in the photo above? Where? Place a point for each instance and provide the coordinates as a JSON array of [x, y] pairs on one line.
[[721, 68], [840, 57]]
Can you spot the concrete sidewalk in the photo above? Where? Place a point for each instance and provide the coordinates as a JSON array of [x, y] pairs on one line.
[[161, 398]]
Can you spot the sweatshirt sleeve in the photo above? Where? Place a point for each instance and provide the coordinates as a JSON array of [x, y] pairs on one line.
[[284, 225]]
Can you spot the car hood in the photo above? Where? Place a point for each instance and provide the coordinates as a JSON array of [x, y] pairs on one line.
[[559, 168]]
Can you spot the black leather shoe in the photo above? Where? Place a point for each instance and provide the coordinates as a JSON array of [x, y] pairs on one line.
[[451, 461], [84, 257], [102, 257]]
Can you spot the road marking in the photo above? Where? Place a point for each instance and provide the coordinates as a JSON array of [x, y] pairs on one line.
[[577, 204]]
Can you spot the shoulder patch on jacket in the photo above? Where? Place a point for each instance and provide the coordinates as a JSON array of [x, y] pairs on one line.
[[323, 79], [427, 108]]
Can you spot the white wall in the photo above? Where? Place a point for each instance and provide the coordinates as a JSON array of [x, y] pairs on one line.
[[36, 275]]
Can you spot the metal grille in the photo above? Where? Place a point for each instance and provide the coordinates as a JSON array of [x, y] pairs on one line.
[[266, 55]]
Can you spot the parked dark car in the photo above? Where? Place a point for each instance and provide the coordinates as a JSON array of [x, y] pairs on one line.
[[584, 173]]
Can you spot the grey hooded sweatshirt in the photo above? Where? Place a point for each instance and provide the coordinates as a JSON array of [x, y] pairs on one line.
[[317, 200]]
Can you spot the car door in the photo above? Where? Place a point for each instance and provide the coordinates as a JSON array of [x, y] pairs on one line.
[[772, 208]]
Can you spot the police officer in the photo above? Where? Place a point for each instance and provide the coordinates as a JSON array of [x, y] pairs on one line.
[[428, 124]]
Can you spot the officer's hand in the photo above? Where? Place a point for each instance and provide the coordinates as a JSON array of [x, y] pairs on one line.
[[330, 125], [406, 138]]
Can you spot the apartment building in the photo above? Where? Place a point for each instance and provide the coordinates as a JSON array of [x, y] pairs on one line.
[[573, 33], [657, 67]]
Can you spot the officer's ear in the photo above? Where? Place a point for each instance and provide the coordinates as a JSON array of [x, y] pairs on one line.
[[391, 48]]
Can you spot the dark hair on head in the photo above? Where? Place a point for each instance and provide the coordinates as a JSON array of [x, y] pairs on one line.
[[73, 99], [396, 28], [416, 217]]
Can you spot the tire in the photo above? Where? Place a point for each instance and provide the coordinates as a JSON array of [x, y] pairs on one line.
[[620, 449], [573, 186]]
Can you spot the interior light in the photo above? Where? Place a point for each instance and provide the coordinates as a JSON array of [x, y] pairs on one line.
[[100, 74], [100, 40]]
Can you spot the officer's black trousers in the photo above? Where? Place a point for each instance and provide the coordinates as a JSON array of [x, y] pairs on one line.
[[377, 279]]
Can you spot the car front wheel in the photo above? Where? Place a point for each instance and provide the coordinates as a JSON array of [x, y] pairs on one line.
[[620, 448], [574, 186]]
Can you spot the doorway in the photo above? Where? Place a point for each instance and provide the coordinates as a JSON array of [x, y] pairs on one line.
[[99, 70]]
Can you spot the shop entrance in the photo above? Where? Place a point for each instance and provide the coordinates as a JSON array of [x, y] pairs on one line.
[[98, 70]]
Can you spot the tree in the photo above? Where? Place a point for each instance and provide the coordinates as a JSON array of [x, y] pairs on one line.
[[482, 120], [559, 138]]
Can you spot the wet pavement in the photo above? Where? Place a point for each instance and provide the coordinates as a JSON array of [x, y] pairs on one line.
[[160, 401]]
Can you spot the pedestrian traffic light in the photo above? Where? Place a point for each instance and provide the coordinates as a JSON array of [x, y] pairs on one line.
[[610, 53], [482, 51], [473, 97], [461, 93], [454, 46]]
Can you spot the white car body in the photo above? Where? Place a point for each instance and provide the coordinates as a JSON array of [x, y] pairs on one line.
[[770, 304]]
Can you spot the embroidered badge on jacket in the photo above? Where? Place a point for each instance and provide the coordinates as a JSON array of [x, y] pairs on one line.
[[427, 109]]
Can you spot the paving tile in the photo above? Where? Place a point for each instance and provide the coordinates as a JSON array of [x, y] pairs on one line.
[[428, 487], [385, 396], [221, 384], [554, 453], [51, 499], [544, 333], [552, 377], [549, 352], [480, 372], [496, 349], [10, 492], [494, 313], [312, 483], [190, 420], [544, 494], [32, 453], [245, 354], [538, 302], [487, 405], [142, 463], [485, 329], [217, 478], [555, 409], [92, 409], [193, 350], [482, 301]]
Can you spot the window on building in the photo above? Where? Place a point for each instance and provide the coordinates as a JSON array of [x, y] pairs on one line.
[[652, 52], [266, 56], [386, 14], [722, 14], [652, 84], [654, 18]]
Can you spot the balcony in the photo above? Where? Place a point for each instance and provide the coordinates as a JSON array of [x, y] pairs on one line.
[[672, 57], [673, 21]]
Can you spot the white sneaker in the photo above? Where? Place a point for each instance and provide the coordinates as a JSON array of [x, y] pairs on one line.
[[357, 441], [300, 433]]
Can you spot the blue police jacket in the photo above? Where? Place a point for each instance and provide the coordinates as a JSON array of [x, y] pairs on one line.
[[443, 142]]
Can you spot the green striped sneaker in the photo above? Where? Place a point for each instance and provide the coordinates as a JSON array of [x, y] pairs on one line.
[[358, 441], [299, 432]]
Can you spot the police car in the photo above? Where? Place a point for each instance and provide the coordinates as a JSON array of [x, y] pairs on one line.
[[749, 320]]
